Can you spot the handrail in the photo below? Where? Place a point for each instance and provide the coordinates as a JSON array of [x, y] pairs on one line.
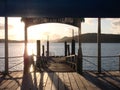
[[101, 68], [16, 65], [12, 57], [101, 56], [71, 56]]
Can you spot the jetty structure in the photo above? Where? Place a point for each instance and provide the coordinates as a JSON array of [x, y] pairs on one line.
[[49, 73]]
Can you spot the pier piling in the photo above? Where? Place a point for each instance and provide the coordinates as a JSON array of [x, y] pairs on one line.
[[38, 53], [65, 48]]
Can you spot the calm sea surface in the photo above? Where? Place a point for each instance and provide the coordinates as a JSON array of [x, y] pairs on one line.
[[57, 49]]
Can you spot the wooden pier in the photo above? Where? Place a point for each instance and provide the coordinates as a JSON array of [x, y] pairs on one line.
[[57, 75], [60, 81]]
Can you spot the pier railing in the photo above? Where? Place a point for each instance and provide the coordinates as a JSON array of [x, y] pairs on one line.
[[71, 60], [15, 63], [90, 63], [108, 63]]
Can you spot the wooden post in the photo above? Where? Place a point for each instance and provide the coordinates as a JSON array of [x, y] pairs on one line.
[[79, 59], [38, 48], [47, 49], [99, 45], [26, 59], [119, 63], [73, 44], [6, 45], [68, 48], [38, 62], [65, 48], [43, 50]]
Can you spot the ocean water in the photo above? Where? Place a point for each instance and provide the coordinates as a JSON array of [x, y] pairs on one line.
[[16, 51]]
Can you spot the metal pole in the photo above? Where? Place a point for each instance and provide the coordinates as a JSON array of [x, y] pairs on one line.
[[99, 45], [6, 45]]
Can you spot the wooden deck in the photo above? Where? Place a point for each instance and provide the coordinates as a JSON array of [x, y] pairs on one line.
[[60, 81], [56, 75]]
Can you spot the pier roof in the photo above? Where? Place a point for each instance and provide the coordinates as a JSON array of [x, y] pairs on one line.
[[60, 8]]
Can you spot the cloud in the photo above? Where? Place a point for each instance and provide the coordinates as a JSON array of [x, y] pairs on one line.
[[90, 21], [2, 27], [115, 23]]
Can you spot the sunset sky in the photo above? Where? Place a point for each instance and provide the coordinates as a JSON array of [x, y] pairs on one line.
[[56, 30]]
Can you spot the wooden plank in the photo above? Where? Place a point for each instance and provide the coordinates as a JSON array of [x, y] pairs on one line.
[[55, 82], [61, 82], [49, 82], [86, 83], [16, 81], [42, 80], [45, 78], [113, 82], [99, 80], [67, 82], [79, 82], [13, 80], [20, 82], [73, 82], [38, 79], [8, 83]]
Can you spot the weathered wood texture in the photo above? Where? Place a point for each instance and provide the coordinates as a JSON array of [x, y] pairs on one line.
[[60, 81]]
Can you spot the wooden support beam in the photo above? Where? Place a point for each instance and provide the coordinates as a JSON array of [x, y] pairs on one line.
[[26, 59], [6, 45], [79, 59], [99, 45]]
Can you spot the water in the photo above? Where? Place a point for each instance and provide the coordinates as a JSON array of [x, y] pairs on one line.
[[57, 49]]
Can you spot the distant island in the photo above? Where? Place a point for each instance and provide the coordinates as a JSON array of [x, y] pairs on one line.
[[92, 38], [11, 41], [86, 38]]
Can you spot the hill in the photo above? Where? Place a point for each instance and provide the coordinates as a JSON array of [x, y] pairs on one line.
[[92, 38], [11, 41]]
